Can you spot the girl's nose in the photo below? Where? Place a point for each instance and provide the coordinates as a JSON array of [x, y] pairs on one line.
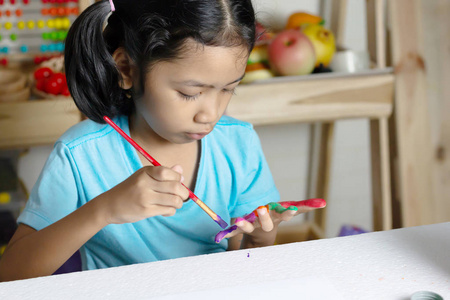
[[208, 112]]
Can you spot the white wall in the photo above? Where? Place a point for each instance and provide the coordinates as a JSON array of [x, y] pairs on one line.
[[286, 146]]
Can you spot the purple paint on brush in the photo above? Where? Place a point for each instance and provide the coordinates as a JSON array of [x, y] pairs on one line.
[[221, 222]]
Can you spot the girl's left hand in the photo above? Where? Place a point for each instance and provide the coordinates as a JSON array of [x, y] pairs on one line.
[[259, 225]]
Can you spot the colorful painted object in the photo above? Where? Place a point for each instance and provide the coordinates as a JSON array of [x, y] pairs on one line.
[[278, 207]]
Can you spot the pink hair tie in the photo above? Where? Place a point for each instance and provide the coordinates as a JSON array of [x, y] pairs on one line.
[[112, 5]]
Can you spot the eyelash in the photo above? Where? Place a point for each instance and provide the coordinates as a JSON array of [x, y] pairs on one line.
[[192, 98]]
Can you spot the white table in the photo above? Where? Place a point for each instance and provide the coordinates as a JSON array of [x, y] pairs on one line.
[[382, 265]]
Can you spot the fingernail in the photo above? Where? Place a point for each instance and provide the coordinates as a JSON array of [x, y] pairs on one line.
[[239, 220], [263, 209], [182, 178], [292, 208]]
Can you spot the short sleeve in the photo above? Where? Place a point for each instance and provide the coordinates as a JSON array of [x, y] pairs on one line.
[[257, 186], [55, 194]]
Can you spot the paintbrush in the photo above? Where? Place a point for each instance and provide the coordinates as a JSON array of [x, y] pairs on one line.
[[192, 196]]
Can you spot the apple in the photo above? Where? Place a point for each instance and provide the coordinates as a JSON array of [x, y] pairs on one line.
[[323, 41], [291, 53]]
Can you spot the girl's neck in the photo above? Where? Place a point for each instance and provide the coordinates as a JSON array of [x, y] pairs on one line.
[[143, 134], [166, 153], [163, 150]]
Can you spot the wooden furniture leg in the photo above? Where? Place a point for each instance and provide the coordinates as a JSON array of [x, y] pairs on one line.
[[381, 181], [419, 202], [318, 227], [376, 32]]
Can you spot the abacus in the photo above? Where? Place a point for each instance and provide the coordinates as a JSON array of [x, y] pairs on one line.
[[34, 30]]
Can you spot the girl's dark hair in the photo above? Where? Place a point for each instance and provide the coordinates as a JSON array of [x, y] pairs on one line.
[[150, 31]]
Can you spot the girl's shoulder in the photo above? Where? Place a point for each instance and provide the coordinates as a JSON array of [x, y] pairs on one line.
[[87, 130], [231, 131]]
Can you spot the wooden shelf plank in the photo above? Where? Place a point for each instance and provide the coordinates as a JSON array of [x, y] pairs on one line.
[[328, 99], [35, 122]]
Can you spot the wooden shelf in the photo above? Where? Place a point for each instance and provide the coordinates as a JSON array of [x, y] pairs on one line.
[[317, 97], [35, 122]]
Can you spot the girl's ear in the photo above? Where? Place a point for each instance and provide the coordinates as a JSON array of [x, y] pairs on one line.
[[125, 68]]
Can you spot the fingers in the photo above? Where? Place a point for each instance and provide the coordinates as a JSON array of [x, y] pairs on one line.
[[244, 225], [167, 180], [264, 218], [170, 187], [161, 173], [228, 233], [178, 169], [168, 200], [247, 224], [299, 206], [288, 214]]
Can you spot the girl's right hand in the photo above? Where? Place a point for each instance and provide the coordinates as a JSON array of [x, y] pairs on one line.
[[149, 192]]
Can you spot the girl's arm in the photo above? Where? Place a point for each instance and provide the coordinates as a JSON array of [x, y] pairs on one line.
[[32, 253], [150, 191]]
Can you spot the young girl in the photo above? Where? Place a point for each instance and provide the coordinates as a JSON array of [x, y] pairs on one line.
[[164, 71]]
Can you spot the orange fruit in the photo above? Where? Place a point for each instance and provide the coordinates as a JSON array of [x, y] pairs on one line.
[[297, 19]]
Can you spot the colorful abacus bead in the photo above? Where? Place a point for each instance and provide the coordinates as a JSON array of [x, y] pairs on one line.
[[30, 24]]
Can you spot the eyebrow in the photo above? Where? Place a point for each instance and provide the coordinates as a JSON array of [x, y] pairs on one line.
[[200, 84]]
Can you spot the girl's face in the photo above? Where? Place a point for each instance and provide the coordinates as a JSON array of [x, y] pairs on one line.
[[184, 98]]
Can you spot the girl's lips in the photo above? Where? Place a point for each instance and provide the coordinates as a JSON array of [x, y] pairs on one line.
[[197, 136]]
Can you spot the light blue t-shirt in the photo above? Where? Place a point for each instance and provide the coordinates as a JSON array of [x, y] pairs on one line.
[[90, 158]]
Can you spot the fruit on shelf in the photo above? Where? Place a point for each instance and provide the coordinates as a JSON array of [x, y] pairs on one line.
[[263, 34], [51, 82], [257, 65], [52, 85], [298, 19], [42, 73], [291, 53], [256, 71], [258, 55], [323, 41]]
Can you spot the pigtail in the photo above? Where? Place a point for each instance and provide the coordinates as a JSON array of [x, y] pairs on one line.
[[92, 75]]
